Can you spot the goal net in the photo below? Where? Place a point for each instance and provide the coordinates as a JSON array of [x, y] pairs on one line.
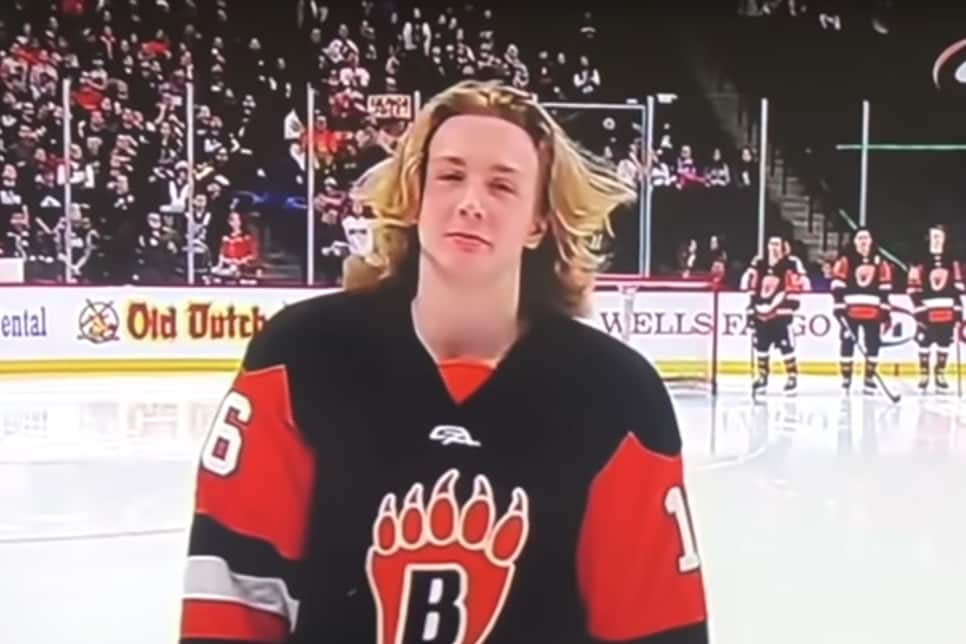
[[673, 323]]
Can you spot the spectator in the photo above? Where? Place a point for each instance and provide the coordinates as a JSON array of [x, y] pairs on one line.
[[629, 168], [587, 29], [716, 261], [662, 175], [687, 170], [81, 239], [718, 173], [747, 169], [822, 282], [156, 253], [688, 258], [586, 79], [11, 197], [237, 257]]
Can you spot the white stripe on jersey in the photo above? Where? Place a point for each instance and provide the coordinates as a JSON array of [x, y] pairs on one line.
[[210, 578]]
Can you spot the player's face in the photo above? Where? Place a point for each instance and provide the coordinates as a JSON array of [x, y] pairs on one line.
[[863, 242], [774, 249], [937, 240], [478, 209]]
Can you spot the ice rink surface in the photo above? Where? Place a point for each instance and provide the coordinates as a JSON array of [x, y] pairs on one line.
[[821, 518]]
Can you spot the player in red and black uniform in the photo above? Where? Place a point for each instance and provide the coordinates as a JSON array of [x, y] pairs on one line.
[[447, 455], [935, 285], [861, 284], [775, 283]]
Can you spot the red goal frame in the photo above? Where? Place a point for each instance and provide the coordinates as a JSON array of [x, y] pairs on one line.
[[630, 285]]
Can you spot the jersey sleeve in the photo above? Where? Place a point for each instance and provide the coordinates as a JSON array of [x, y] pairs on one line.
[[254, 482], [749, 279], [914, 288], [885, 283], [639, 572], [840, 276], [960, 288]]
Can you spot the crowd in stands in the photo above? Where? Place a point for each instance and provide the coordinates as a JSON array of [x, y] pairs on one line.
[[130, 63]]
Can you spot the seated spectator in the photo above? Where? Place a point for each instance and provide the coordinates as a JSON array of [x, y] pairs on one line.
[[237, 258], [716, 261], [177, 190], [822, 282], [718, 173], [629, 168], [662, 175], [747, 169], [156, 253], [687, 170], [688, 258], [82, 240]]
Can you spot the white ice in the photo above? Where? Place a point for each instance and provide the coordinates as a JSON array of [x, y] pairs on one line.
[[819, 519]]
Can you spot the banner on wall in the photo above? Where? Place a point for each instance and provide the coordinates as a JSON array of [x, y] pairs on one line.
[[81, 324]]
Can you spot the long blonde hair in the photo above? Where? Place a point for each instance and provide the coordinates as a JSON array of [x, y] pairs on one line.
[[579, 191]]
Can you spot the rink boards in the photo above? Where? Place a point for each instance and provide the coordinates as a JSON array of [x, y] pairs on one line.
[[111, 329]]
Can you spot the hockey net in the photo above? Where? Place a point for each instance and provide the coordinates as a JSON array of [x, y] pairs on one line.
[[672, 322]]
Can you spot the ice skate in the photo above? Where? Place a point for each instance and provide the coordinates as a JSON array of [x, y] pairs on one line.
[[760, 384], [869, 385], [923, 384], [791, 385], [942, 385]]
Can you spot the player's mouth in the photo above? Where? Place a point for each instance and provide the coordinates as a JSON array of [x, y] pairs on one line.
[[468, 241]]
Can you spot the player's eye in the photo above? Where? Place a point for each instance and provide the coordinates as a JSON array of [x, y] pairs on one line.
[[450, 176], [503, 186]]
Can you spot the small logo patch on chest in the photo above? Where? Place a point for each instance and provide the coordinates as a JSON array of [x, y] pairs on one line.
[[453, 435]]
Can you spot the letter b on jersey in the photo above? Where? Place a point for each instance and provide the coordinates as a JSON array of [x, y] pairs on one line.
[[435, 612]]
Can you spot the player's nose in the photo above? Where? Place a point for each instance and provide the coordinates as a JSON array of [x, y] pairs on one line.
[[469, 204]]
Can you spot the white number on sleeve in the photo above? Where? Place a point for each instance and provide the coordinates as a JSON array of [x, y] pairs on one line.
[[224, 442], [677, 507]]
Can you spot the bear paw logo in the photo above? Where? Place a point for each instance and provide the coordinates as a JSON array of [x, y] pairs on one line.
[[440, 573]]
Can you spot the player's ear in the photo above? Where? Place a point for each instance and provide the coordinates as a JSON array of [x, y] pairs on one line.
[[538, 229]]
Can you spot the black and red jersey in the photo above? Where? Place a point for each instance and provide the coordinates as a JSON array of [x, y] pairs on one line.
[[935, 285], [861, 285], [354, 490], [774, 287]]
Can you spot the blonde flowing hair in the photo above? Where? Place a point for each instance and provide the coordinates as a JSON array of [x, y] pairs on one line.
[[578, 195]]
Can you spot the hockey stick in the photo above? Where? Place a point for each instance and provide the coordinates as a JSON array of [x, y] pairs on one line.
[[751, 360], [895, 398]]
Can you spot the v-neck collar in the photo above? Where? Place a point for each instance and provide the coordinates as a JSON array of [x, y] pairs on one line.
[[429, 368]]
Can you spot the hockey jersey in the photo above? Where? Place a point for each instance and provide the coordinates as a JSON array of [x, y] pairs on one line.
[[353, 490], [774, 287], [861, 286], [935, 285]]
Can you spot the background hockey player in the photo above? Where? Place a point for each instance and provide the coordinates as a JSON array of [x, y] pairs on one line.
[[774, 282], [935, 284], [861, 284]]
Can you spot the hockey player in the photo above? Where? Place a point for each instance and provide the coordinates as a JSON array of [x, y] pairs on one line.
[[861, 284], [935, 285], [774, 283], [386, 467]]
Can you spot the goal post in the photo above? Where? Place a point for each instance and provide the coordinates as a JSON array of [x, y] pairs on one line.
[[674, 323]]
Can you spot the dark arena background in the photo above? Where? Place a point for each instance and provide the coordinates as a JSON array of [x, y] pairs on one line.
[[174, 172]]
